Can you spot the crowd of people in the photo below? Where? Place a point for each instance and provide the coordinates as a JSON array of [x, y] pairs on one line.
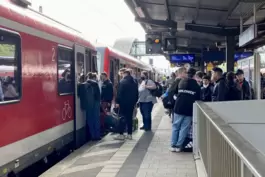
[[129, 95], [190, 86]]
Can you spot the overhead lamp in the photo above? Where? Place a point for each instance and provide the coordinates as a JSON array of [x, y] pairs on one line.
[[140, 12], [157, 41]]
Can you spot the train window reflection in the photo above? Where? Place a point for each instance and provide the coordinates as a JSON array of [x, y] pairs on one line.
[[9, 76], [80, 65], [94, 64], [65, 81]]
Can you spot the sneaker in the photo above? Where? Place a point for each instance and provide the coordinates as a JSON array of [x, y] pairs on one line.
[[174, 149], [129, 137], [177, 150], [141, 128], [120, 137]]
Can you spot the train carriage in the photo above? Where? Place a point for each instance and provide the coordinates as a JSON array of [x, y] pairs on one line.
[[111, 60], [40, 62]]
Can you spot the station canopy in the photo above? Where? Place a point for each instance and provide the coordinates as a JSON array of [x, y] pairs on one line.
[[197, 24]]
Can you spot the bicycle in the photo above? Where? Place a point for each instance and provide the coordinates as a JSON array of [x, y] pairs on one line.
[[67, 111]]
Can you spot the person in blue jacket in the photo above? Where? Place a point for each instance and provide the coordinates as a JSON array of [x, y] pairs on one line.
[[93, 117]]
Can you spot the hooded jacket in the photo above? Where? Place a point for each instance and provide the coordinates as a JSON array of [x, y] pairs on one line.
[[188, 93], [219, 90], [107, 91], [127, 94]]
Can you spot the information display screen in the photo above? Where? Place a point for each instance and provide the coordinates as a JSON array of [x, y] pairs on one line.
[[239, 56], [182, 58]]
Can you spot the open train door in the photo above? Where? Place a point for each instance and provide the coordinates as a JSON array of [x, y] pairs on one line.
[[80, 132]]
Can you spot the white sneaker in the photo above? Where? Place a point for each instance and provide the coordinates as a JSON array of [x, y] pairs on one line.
[[173, 149], [177, 150], [129, 137], [120, 137]]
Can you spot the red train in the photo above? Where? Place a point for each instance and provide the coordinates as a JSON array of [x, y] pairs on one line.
[[40, 61], [111, 60], [40, 64]]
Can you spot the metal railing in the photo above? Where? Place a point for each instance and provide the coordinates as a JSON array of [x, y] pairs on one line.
[[223, 151]]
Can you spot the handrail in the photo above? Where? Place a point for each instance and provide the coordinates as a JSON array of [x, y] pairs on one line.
[[249, 155]]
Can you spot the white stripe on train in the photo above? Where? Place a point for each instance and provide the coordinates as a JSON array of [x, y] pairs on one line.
[[15, 150]]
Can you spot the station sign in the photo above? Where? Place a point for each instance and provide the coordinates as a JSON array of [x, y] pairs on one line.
[[182, 58]]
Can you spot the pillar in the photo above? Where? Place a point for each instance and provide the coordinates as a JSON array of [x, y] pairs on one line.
[[230, 53]]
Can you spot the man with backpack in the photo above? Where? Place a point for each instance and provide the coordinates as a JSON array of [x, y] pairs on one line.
[[173, 90], [147, 100], [188, 93]]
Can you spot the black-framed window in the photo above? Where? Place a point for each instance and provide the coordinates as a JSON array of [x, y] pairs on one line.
[[10, 66], [64, 67], [94, 64], [80, 67]]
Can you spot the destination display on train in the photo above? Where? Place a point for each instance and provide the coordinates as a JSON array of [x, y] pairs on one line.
[[182, 58]]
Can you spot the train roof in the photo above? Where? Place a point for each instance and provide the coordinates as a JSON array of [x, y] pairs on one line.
[[124, 56], [32, 18]]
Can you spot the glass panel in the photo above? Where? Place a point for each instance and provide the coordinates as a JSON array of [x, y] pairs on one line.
[[80, 65], [9, 78], [65, 81]]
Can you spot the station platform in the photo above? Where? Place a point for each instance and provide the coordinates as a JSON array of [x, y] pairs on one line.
[[147, 155]]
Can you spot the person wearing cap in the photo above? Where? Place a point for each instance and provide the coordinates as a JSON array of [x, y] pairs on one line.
[[244, 85], [188, 93], [219, 90]]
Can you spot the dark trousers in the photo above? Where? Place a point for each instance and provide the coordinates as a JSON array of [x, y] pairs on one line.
[[126, 112], [93, 121], [146, 111]]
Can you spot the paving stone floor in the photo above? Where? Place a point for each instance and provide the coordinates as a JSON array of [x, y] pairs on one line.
[[147, 155]]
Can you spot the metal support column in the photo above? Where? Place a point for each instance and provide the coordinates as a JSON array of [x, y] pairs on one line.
[[257, 80], [230, 53]]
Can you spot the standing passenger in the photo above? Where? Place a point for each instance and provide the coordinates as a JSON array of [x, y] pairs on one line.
[[146, 100], [93, 117], [188, 93], [243, 84], [106, 92], [206, 89], [127, 96], [219, 89]]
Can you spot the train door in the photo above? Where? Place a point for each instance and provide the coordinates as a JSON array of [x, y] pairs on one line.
[[117, 68], [80, 116]]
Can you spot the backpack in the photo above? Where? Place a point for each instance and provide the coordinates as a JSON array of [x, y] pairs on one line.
[[158, 92]]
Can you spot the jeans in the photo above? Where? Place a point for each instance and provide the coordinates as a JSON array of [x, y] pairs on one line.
[[180, 128], [127, 118], [93, 121], [146, 111]]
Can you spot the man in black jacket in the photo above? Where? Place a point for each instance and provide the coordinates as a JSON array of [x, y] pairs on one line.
[[220, 89], [245, 87], [188, 93], [127, 97], [106, 91], [173, 90]]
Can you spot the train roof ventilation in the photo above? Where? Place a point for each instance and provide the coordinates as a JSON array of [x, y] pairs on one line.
[[23, 3]]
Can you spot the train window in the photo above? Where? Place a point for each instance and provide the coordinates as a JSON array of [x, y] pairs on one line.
[[88, 62], [65, 76], [80, 65], [94, 64], [111, 76], [10, 67]]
